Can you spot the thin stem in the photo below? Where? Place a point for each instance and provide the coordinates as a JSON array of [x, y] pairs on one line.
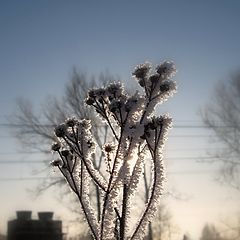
[[81, 202], [124, 208], [113, 131], [117, 213], [81, 179], [150, 237], [105, 140], [145, 86], [98, 196], [85, 163], [103, 213], [146, 107], [109, 185], [152, 191], [145, 184], [107, 119], [125, 157]]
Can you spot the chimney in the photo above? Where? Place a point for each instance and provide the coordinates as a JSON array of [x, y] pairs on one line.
[[43, 228], [45, 216], [24, 215]]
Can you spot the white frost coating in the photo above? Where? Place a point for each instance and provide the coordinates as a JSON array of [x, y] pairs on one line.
[[157, 185], [89, 211], [167, 69], [86, 149], [110, 214], [133, 183], [151, 206], [76, 171], [95, 173], [137, 172], [68, 179], [137, 137]]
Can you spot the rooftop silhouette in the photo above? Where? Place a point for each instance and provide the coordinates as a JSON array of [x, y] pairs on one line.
[[26, 228]]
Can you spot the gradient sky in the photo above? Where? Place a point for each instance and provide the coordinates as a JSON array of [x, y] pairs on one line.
[[41, 42]]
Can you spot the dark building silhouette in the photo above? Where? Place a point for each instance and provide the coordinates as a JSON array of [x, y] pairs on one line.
[[43, 228]]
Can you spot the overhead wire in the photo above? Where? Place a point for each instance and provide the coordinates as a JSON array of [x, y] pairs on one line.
[[52, 125], [177, 126], [167, 158], [54, 178]]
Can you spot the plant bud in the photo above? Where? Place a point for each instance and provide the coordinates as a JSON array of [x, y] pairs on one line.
[[65, 153], [60, 130], [56, 146], [89, 101]]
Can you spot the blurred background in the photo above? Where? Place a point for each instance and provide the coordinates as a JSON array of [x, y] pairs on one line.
[[45, 45]]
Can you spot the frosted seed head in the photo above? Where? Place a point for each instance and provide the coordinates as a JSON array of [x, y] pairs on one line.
[[108, 148], [56, 146], [91, 93], [159, 121], [90, 143], [112, 88], [141, 70], [154, 78], [165, 87], [71, 122], [114, 91], [85, 123], [167, 69], [56, 163], [61, 130], [115, 105], [65, 152], [100, 92], [89, 101]]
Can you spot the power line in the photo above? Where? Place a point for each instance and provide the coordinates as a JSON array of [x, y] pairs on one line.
[[25, 125], [22, 152], [27, 179], [170, 135], [19, 161], [168, 149], [190, 136], [167, 159], [55, 178], [53, 125], [193, 149], [190, 172]]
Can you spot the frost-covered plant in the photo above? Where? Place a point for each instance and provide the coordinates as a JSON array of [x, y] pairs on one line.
[[137, 136]]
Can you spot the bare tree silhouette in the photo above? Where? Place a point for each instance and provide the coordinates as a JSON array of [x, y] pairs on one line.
[[34, 129], [222, 116]]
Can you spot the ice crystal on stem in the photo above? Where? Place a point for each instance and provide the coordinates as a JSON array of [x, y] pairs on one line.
[[138, 136]]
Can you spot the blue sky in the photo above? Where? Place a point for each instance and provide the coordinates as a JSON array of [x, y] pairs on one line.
[[41, 42]]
